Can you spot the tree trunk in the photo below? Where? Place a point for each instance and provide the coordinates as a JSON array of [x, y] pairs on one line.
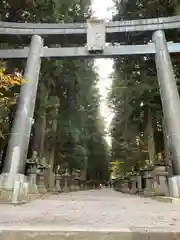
[[151, 142], [52, 153], [39, 135], [42, 134], [36, 138], [84, 170]]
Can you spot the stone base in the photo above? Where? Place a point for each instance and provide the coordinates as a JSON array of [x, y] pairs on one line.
[[42, 189], [152, 193], [32, 197], [127, 191], [167, 199], [21, 192], [161, 188], [86, 187], [13, 192], [33, 233], [139, 191], [33, 188], [56, 191], [77, 188], [7, 182], [174, 186], [41, 184], [6, 195], [72, 188], [57, 187], [66, 189]]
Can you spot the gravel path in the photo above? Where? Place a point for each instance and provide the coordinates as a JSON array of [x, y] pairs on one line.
[[96, 209]]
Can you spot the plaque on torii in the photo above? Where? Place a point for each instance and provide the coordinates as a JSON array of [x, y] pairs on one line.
[[96, 35]]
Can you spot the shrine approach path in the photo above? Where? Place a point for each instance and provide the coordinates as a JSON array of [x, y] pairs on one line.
[[93, 210]]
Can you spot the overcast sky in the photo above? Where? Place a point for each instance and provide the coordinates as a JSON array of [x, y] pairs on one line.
[[103, 9]]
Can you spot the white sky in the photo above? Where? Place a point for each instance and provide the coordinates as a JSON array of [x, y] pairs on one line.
[[103, 10]]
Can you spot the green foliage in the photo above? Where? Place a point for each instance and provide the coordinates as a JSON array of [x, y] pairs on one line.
[[67, 87], [135, 87]]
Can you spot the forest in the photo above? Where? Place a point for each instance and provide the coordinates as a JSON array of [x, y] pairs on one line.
[[138, 128], [68, 128]]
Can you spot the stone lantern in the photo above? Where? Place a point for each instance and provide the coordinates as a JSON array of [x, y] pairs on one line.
[[42, 167], [58, 178], [148, 178], [66, 177], [32, 172]]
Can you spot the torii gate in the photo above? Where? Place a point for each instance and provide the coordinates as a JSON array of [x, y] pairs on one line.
[[94, 34]]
